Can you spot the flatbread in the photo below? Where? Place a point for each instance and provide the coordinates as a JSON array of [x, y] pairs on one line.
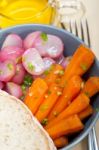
[[19, 130]]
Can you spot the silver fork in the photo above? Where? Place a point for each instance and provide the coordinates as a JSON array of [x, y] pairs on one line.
[[81, 30]]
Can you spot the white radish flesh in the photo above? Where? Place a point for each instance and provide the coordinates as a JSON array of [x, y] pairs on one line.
[[7, 70], [19, 74], [13, 40], [48, 62], [51, 46], [14, 89], [60, 59], [11, 53], [30, 39], [66, 61], [33, 62]]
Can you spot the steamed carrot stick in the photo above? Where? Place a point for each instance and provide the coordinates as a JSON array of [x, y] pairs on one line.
[[35, 95], [65, 127], [79, 104], [50, 99], [53, 73], [85, 113], [81, 61], [69, 93], [91, 86], [61, 141]]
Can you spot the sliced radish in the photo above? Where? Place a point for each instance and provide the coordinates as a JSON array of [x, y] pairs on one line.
[[49, 45], [19, 74], [1, 85], [7, 70], [48, 62], [60, 59], [14, 89], [30, 39], [13, 40], [11, 53], [66, 61], [33, 62]]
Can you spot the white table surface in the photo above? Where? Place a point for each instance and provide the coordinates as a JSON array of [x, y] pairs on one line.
[[92, 14]]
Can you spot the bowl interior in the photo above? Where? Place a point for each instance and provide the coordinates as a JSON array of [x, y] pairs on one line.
[[71, 43]]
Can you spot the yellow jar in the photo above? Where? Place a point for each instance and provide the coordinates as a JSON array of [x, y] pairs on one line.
[[14, 12]]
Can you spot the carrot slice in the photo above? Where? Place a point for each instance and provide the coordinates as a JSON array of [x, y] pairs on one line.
[[85, 113], [50, 99], [53, 73], [65, 127], [35, 95], [91, 86], [81, 61], [79, 104], [61, 141], [69, 93]]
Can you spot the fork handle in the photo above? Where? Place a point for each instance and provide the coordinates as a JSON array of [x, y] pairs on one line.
[[92, 140], [95, 139]]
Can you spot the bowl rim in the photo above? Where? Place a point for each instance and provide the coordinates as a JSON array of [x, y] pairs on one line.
[[75, 142]]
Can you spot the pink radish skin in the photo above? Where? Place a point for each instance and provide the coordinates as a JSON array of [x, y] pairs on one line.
[[7, 70], [19, 74], [1, 85], [52, 47], [48, 62], [14, 89], [32, 62], [30, 39], [66, 61], [11, 53], [13, 40]]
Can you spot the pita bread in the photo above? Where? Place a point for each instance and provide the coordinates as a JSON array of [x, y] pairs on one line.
[[19, 130]]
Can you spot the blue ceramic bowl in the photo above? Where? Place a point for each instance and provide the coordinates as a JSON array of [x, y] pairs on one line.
[[71, 43]]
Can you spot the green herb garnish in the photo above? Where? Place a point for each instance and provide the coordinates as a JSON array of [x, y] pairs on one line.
[[30, 66], [83, 66], [43, 107], [10, 66], [23, 87], [61, 72], [44, 122], [87, 93], [49, 92], [28, 79], [22, 97], [46, 72], [44, 36]]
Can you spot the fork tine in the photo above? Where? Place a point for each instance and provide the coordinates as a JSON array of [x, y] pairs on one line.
[[88, 36], [70, 26], [62, 24], [76, 29], [82, 32]]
